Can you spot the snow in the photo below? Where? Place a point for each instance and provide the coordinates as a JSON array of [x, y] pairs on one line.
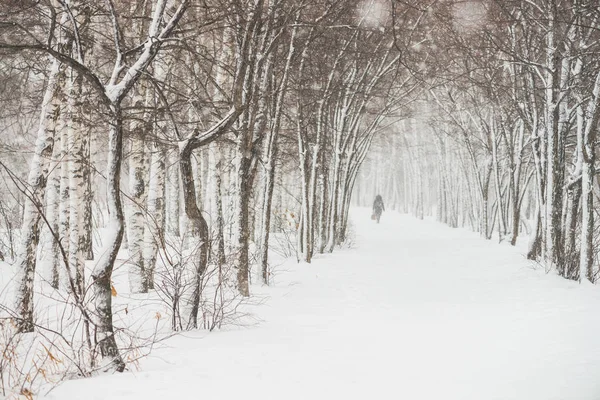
[[469, 15], [373, 13], [416, 310]]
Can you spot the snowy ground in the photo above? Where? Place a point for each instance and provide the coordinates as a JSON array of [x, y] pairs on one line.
[[416, 311]]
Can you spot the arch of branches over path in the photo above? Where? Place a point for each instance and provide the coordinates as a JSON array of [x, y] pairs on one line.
[[503, 140], [187, 143]]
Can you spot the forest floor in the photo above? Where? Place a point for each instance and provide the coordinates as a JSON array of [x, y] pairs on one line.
[[415, 310]]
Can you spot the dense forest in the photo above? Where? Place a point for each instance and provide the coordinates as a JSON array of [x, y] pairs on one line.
[[166, 151]]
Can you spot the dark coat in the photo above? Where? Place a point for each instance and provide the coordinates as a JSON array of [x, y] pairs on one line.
[[378, 206]]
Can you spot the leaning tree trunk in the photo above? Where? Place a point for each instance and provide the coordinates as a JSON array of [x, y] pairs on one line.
[[199, 229], [102, 273], [113, 94]]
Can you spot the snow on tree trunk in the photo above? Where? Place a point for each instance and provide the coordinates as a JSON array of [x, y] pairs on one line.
[[223, 84], [199, 229], [588, 173], [333, 202], [34, 202], [304, 239], [498, 181], [52, 256], [77, 184], [242, 218], [154, 233], [266, 223], [198, 185], [515, 178], [102, 273], [87, 246], [271, 158], [553, 169], [173, 213], [138, 186], [586, 261], [63, 204], [572, 204], [322, 232], [217, 222]]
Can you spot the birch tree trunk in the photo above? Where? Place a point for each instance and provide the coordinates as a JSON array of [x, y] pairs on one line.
[[52, 206], [323, 217], [154, 232], [138, 186], [334, 195], [242, 217], [553, 171], [63, 204], [53, 256], [271, 157], [586, 261], [515, 178], [34, 202], [77, 183], [173, 213], [198, 228], [219, 220], [102, 272], [498, 182], [587, 178]]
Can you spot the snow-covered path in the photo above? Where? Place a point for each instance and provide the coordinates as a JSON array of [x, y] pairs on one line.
[[416, 311]]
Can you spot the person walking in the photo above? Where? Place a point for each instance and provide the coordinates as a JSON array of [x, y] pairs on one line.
[[378, 208]]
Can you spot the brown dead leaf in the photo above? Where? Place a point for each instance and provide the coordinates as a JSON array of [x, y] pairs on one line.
[[27, 393], [51, 356]]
